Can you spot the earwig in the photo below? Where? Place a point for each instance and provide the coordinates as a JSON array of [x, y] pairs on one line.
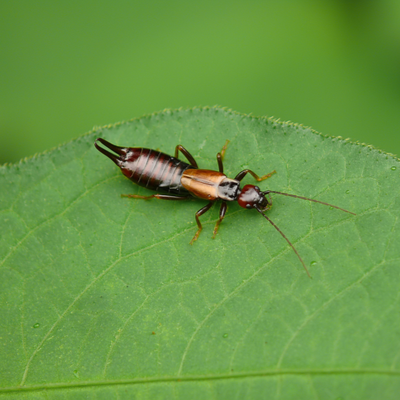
[[182, 181]]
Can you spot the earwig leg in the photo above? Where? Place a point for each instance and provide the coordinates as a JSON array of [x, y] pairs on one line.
[[223, 150], [220, 157], [243, 173], [222, 212], [198, 214], [157, 196], [220, 164], [190, 158]]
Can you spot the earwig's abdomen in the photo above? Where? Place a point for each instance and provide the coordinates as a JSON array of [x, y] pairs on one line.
[[154, 170]]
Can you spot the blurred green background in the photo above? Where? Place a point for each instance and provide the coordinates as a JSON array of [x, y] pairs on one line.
[[68, 66]]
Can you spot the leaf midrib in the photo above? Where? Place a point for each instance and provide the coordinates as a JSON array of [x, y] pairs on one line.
[[194, 378]]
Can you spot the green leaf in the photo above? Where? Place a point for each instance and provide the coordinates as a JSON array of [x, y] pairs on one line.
[[103, 297]]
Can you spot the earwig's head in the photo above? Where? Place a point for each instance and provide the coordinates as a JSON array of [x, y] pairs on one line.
[[252, 197]]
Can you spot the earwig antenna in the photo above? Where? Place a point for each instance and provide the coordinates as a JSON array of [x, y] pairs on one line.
[[283, 235], [306, 198]]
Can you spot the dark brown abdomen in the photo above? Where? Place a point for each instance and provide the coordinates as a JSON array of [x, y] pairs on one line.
[[155, 170]]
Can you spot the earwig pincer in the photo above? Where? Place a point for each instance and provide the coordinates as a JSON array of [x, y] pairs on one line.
[[182, 181]]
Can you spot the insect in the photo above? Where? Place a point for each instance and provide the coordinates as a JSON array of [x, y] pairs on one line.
[[160, 172]]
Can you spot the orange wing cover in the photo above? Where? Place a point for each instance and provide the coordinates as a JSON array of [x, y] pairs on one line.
[[202, 183]]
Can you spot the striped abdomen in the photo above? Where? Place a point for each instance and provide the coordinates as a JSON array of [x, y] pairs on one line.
[[154, 170]]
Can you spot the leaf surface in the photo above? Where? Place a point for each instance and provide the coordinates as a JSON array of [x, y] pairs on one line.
[[103, 297]]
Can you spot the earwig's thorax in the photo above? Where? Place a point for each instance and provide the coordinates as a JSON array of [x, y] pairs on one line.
[[229, 189]]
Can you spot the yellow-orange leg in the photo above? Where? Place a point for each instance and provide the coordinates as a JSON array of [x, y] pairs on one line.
[[243, 173], [198, 214], [223, 150], [222, 212]]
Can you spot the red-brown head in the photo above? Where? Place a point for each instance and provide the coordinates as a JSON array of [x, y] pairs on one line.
[[252, 197]]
